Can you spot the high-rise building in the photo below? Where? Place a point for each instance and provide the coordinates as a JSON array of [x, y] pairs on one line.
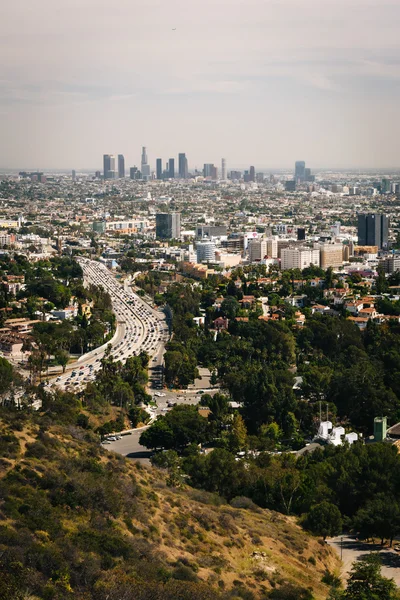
[[159, 169], [300, 171], [134, 173], [182, 166], [331, 255], [223, 169], [373, 230], [144, 156], [257, 249], [385, 186], [121, 166], [301, 233], [109, 166], [205, 251], [208, 169], [145, 167], [299, 258], [73, 175], [168, 226], [171, 168], [290, 186], [214, 173], [252, 174]]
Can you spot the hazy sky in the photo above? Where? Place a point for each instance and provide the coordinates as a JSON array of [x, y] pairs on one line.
[[261, 82]]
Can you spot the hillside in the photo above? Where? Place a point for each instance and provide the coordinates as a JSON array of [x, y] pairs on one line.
[[79, 522]]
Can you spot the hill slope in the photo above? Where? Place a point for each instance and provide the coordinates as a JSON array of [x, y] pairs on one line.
[[78, 522]]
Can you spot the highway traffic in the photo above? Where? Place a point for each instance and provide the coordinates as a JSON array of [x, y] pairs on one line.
[[140, 328]]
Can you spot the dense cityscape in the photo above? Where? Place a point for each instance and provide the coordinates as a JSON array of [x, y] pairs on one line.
[[200, 300]]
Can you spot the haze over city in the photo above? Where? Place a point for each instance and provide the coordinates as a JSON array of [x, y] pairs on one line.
[[259, 82]]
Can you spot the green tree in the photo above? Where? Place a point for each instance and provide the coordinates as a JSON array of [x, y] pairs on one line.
[[367, 583], [62, 358], [324, 519]]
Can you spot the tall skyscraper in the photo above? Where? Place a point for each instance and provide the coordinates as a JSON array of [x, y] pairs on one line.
[[300, 170], [208, 169], [109, 166], [171, 168], [168, 226], [144, 156], [373, 230], [159, 168], [121, 166], [183, 166], [223, 169], [73, 175], [145, 167], [252, 175]]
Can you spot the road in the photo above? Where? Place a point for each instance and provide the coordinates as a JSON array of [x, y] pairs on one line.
[[139, 328], [351, 550], [129, 445]]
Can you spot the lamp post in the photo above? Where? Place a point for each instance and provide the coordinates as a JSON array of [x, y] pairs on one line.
[[341, 548]]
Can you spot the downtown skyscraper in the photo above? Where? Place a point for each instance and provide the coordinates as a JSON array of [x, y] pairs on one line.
[[121, 166], [182, 166], [109, 166], [145, 167]]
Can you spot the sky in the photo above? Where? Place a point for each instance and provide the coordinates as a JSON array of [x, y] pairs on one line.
[[261, 82]]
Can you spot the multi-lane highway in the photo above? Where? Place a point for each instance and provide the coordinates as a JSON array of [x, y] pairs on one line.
[[139, 328]]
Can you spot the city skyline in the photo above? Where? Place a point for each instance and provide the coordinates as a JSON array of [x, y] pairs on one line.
[[323, 85]]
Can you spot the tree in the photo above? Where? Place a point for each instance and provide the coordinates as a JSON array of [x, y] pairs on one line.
[[237, 434], [62, 358], [158, 435], [367, 583], [380, 516], [324, 519]]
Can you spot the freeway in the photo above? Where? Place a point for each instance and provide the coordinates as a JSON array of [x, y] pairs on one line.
[[139, 328]]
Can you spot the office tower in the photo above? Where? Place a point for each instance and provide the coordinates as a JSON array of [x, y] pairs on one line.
[[205, 251], [331, 255], [260, 177], [385, 186], [144, 156], [272, 248], [133, 172], [300, 171], [98, 174], [159, 172], [373, 230], [290, 186], [257, 249], [235, 175], [252, 174], [223, 169], [145, 167], [208, 169], [121, 166], [246, 177], [214, 173], [168, 226], [182, 166], [171, 168], [301, 233], [299, 258], [109, 166], [73, 175]]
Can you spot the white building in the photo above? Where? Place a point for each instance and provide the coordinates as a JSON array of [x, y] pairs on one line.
[[299, 258]]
